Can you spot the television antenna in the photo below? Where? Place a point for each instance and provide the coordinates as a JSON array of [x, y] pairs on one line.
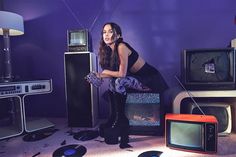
[[190, 95]]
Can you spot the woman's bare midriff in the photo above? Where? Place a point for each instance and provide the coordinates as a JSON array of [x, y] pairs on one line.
[[137, 65]]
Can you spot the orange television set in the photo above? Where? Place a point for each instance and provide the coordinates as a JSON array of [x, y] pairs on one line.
[[190, 132]]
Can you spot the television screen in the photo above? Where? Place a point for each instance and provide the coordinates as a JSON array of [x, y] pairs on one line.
[[79, 40], [220, 110], [145, 114], [180, 130], [208, 68]]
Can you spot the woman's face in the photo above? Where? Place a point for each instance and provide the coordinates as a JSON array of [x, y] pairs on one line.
[[109, 36]]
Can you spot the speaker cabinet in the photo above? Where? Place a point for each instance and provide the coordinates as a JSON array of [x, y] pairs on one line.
[[81, 97]]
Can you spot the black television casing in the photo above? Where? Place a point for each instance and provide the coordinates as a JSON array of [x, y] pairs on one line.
[[149, 108], [79, 40], [208, 69]]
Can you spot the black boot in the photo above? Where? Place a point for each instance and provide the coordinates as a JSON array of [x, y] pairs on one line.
[[121, 122], [112, 116]]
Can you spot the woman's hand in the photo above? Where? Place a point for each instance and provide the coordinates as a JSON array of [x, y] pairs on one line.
[[94, 79], [98, 75]]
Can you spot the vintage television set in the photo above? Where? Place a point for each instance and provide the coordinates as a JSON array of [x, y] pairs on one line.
[[79, 40], [210, 69], [190, 132], [145, 113], [221, 110]]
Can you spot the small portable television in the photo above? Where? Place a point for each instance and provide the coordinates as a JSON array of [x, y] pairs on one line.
[[145, 113], [222, 112], [79, 40], [190, 132], [210, 69]]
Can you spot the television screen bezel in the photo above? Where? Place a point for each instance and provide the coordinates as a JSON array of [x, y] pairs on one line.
[[157, 130], [84, 31], [168, 136], [198, 85], [206, 120]]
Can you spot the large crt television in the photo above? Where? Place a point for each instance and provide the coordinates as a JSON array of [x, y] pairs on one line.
[[222, 112], [189, 132], [210, 69], [79, 40], [145, 113]]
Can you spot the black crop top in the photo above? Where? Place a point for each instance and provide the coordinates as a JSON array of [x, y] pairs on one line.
[[133, 57]]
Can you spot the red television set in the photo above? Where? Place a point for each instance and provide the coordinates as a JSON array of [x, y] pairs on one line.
[[190, 132]]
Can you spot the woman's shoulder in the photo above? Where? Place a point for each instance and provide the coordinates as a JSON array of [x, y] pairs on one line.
[[123, 45], [123, 49]]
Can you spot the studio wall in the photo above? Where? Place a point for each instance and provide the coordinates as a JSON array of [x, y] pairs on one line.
[[158, 29]]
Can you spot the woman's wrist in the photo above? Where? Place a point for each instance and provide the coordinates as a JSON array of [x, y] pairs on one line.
[[98, 75]]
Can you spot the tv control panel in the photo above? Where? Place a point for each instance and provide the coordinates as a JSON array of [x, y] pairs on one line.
[[25, 87], [211, 137]]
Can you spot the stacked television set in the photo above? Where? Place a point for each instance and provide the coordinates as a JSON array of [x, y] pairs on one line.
[[203, 70], [81, 97], [210, 69]]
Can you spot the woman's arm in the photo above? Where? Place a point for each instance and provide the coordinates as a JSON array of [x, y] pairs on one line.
[[123, 52]]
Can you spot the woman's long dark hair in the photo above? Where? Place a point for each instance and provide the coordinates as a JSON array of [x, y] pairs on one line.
[[107, 58]]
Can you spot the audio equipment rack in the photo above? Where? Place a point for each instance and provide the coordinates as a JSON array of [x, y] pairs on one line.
[[25, 87], [15, 93]]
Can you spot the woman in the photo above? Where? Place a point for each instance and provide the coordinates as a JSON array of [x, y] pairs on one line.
[[126, 70]]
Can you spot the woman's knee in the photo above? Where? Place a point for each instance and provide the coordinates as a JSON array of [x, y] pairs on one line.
[[120, 85], [120, 81]]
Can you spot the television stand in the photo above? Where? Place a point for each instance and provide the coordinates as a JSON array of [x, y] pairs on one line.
[[15, 94]]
